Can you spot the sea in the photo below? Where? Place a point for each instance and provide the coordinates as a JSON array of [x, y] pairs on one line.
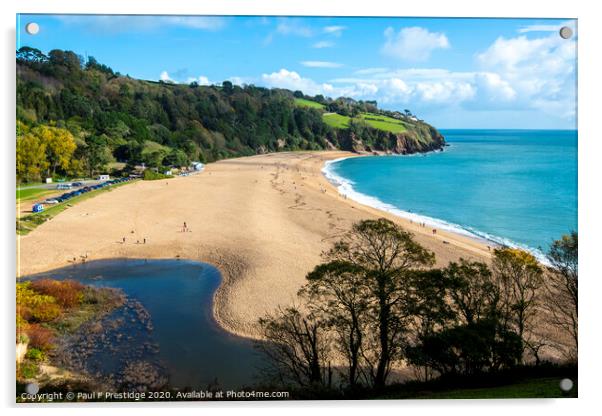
[[516, 188]]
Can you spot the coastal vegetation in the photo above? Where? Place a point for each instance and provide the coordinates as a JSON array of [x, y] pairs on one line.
[[49, 310], [150, 175], [77, 117], [377, 302]]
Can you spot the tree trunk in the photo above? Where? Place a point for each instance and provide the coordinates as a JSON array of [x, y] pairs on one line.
[[383, 328]]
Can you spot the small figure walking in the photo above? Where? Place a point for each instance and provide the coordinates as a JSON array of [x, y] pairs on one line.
[[144, 241], [184, 227], [123, 240], [434, 231]]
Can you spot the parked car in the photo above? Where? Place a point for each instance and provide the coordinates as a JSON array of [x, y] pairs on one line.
[[77, 184], [51, 201]]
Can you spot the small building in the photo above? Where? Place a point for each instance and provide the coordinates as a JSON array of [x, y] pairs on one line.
[[48, 180], [104, 177], [37, 208], [198, 166]]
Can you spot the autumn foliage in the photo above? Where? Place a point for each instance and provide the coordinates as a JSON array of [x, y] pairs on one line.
[[67, 293]]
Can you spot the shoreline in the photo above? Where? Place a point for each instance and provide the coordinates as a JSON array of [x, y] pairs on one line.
[[345, 187], [262, 220]]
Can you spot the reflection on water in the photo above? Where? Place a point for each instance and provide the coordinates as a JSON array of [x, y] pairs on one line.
[[180, 337]]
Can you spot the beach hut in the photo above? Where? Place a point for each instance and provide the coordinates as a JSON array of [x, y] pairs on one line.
[[37, 208]]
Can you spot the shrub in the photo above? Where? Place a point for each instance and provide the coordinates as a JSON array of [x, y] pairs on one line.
[[45, 312], [32, 306], [150, 175], [35, 354], [29, 370], [40, 337], [68, 293]]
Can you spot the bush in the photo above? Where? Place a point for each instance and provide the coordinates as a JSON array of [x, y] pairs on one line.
[[40, 337], [45, 312], [29, 370], [68, 293], [33, 306], [35, 354], [150, 175]]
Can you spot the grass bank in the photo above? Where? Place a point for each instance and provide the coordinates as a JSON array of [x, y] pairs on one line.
[[28, 223]]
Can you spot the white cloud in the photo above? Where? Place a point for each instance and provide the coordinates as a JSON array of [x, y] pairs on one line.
[[201, 80], [323, 44], [369, 71], [541, 71], [293, 81], [116, 24], [547, 28], [517, 75], [412, 43], [293, 27], [334, 30], [321, 64], [164, 76]]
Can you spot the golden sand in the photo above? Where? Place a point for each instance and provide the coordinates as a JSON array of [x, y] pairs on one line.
[[262, 220]]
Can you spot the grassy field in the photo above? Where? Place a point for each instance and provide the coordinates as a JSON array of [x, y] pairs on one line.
[[531, 388], [28, 223], [302, 102], [32, 193], [336, 120], [383, 122], [150, 146]]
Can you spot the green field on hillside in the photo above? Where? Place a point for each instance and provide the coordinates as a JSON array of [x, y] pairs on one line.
[[530, 388], [302, 102], [383, 122], [336, 120], [376, 121]]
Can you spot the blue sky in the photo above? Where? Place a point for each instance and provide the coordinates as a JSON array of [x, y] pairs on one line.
[[454, 73]]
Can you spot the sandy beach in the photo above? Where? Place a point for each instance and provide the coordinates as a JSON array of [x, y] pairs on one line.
[[262, 220]]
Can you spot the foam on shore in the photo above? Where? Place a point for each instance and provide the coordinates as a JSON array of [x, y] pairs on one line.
[[345, 187]]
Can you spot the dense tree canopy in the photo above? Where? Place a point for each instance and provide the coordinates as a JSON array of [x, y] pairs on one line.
[[114, 117]]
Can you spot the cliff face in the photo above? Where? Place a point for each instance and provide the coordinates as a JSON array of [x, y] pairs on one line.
[[419, 138]]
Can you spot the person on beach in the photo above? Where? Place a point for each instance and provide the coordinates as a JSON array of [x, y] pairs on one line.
[[144, 240], [123, 240], [434, 231]]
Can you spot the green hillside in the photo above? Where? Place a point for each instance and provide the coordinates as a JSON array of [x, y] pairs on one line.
[[302, 102], [336, 121], [79, 118]]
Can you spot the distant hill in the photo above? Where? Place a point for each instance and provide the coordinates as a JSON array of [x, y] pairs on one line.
[[113, 117]]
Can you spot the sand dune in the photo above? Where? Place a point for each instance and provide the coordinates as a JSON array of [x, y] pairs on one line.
[[262, 220]]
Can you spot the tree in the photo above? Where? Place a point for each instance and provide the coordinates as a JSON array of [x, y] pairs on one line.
[[429, 305], [59, 145], [384, 254], [97, 155], [31, 157], [297, 348], [519, 277], [176, 158], [336, 293], [561, 288], [473, 293]]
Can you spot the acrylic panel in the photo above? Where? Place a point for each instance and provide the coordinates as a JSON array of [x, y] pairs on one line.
[[293, 208]]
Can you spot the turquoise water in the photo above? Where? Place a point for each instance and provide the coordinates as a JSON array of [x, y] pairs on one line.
[[178, 295], [513, 187]]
